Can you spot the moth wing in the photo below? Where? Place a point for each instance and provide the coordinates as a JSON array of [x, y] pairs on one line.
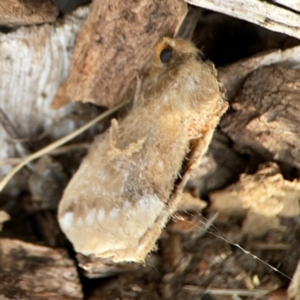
[[102, 212]]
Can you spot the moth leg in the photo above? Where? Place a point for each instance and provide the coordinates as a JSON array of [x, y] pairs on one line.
[[128, 151], [148, 242]]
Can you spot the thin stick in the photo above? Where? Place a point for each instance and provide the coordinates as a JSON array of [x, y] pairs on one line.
[[57, 143], [68, 148]]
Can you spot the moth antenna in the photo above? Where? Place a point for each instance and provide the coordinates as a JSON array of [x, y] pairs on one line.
[[209, 224]]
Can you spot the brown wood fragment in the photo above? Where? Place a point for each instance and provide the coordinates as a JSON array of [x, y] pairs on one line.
[[266, 112], [34, 61], [29, 271], [264, 196], [233, 76], [29, 12], [115, 44], [95, 267]]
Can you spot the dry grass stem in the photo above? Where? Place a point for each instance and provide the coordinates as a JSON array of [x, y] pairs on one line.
[[57, 143]]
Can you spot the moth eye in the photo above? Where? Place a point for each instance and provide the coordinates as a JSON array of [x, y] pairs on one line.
[[166, 55]]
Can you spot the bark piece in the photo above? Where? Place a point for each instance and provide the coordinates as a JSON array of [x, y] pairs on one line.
[[29, 12], [35, 272], [33, 62], [108, 55], [94, 267], [233, 76], [258, 12], [265, 193], [266, 115]]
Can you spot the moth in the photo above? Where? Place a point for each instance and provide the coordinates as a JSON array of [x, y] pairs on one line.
[[131, 180]]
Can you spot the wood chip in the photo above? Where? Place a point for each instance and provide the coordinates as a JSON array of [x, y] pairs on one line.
[[233, 76], [266, 112], [34, 60], [35, 272], [266, 193], [29, 12]]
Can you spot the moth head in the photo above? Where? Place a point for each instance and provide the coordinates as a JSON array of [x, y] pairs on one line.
[[179, 73], [171, 52]]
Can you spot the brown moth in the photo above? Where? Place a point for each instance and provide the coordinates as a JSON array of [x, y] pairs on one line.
[[130, 183]]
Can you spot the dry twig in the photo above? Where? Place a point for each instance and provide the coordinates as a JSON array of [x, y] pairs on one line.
[[57, 143]]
